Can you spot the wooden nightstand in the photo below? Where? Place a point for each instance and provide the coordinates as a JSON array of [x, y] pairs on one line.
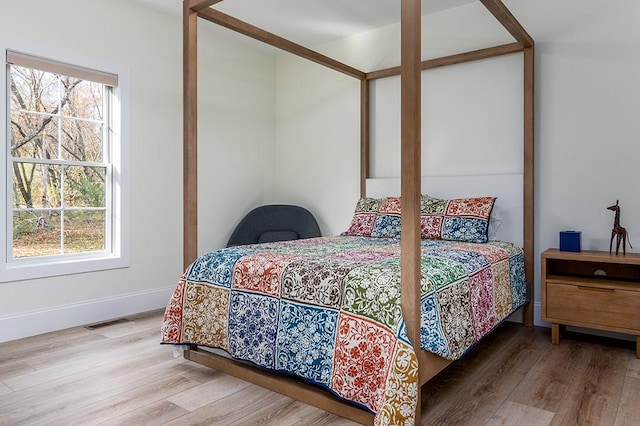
[[591, 289]]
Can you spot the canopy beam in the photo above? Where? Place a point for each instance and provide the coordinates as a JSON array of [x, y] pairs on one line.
[[249, 30]]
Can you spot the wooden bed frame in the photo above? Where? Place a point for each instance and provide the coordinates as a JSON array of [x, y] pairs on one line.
[[409, 71]]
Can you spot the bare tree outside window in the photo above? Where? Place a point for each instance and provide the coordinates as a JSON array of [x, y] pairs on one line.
[[59, 151]]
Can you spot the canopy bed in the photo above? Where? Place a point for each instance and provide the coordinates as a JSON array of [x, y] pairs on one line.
[[408, 324]]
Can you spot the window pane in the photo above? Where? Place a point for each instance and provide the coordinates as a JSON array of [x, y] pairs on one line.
[[59, 161], [84, 231], [34, 135], [36, 185], [36, 233], [34, 90], [81, 140], [84, 186], [81, 98]]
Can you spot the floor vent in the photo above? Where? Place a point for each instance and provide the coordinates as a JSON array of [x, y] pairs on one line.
[[106, 324]]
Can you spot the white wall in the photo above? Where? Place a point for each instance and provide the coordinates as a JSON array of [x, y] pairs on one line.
[[239, 124], [318, 141], [472, 114], [587, 97], [236, 131], [587, 135]]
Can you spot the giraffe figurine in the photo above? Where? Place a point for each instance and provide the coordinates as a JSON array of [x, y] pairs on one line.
[[618, 231]]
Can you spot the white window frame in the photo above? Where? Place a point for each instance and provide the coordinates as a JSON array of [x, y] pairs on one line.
[[118, 253]]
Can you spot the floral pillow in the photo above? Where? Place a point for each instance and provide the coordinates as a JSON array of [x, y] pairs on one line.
[[458, 219], [376, 217]]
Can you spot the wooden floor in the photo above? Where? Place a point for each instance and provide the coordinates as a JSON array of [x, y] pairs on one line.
[[118, 374]]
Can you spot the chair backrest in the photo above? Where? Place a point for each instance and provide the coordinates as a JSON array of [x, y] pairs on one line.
[[274, 222]]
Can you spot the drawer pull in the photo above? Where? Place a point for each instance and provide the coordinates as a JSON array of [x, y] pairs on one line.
[[600, 289]]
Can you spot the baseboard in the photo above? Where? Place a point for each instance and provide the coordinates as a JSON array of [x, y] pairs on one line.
[[537, 316], [26, 324]]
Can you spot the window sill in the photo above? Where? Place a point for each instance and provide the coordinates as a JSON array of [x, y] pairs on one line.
[[56, 266]]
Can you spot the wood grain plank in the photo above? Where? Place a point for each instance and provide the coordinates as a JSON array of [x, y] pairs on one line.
[[48, 349], [575, 383], [269, 411], [196, 372], [131, 326], [206, 393], [598, 394], [155, 414], [136, 397], [13, 369], [100, 380], [485, 376], [313, 395], [75, 354], [299, 413], [47, 340], [633, 369], [512, 413], [48, 404], [64, 343], [87, 386], [550, 379], [4, 389], [628, 412], [231, 409], [63, 365]]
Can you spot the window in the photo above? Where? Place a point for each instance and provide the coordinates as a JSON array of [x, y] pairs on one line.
[[64, 169]]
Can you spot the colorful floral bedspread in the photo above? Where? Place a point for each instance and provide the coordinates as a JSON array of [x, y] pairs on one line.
[[328, 310]]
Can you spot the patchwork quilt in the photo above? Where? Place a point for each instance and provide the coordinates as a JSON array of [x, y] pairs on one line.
[[328, 310]]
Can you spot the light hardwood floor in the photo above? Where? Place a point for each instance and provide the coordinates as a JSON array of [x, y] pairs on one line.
[[119, 374]]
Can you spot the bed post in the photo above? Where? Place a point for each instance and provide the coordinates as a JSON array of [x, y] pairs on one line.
[[411, 123], [528, 240], [511, 24], [190, 135], [364, 135]]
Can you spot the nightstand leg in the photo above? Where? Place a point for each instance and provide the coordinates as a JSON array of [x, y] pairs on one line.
[[555, 334]]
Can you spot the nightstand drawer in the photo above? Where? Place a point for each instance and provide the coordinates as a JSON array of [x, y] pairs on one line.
[[567, 303]]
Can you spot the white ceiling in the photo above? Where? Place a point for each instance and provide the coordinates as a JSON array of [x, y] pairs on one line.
[[311, 22]]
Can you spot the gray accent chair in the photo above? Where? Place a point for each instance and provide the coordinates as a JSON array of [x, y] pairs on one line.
[[274, 222]]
